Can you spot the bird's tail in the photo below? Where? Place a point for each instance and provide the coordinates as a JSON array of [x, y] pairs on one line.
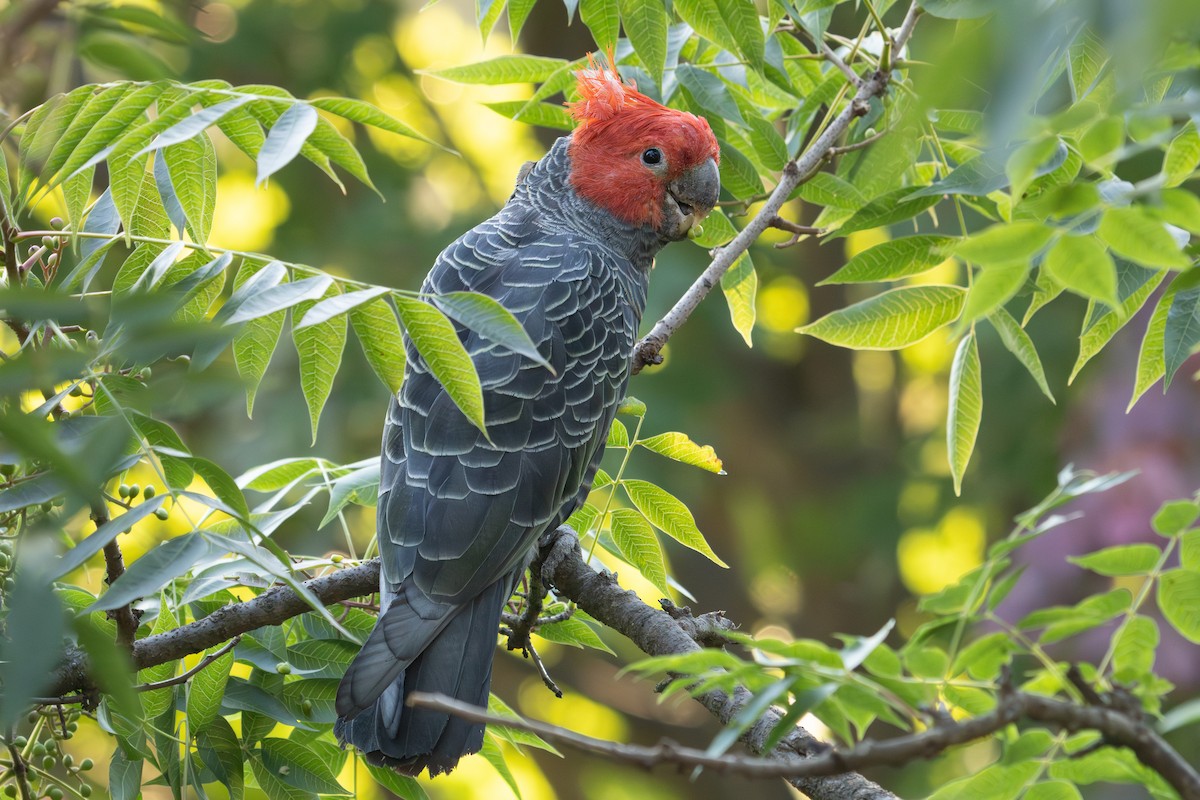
[[405, 654]]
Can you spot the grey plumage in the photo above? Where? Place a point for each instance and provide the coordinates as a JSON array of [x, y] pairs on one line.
[[459, 515]]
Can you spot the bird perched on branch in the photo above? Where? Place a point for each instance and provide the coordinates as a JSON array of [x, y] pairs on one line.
[[460, 513]]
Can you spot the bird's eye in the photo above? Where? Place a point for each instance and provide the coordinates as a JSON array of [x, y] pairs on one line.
[[652, 156]]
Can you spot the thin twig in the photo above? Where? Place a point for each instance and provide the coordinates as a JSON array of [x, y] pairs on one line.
[[187, 676], [798, 231], [19, 767], [648, 349], [836, 60]]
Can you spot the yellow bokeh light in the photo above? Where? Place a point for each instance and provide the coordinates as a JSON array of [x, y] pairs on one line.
[[918, 500], [573, 711], [930, 356], [782, 305], [246, 216], [922, 405], [860, 241], [930, 560], [874, 370]]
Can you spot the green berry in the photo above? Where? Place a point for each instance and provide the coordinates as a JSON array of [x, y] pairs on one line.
[[57, 223], [48, 762], [85, 790], [307, 707], [696, 231], [10, 790], [149, 492], [123, 490], [68, 760], [51, 259], [72, 727], [283, 668], [161, 513], [337, 558], [46, 506], [7, 470], [86, 764], [54, 793], [145, 373], [48, 241], [134, 490], [20, 741]]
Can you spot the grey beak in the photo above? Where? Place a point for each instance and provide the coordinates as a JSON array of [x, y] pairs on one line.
[[698, 188]]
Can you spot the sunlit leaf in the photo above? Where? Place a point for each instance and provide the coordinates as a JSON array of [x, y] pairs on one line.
[[382, 342], [1181, 333], [1017, 341], [1175, 517], [667, 513], [892, 260], [993, 286], [603, 19], [1125, 559], [639, 546], [285, 138], [491, 320], [1133, 234], [1083, 265], [1135, 646], [646, 24], [891, 208], [740, 286], [319, 347], [366, 114], [891, 320], [502, 69], [438, 343], [1179, 601], [966, 408], [709, 92], [193, 125], [207, 687], [1183, 155]]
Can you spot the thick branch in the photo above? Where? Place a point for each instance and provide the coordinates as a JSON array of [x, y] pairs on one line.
[[114, 567], [871, 86]]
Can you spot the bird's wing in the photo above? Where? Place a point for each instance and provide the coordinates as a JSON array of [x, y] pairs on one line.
[[457, 511]]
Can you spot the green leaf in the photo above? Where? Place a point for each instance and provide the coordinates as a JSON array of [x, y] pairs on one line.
[[43, 130], [893, 260], [192, 166], [739, 176], [491, 320], [997, 782], [618, 435], [1151, 363], [639, 546], [77, 190], [492, 753], [1134, 234], [897, 318], [1181, 332], [66, 152], [1053, 790], [33, 636], [270, 781], [740, 285], [338, 304], [678, 447], [1183, 154], [366, 114], [320, 348], [603, 19], [1125, 559], [895, 206], [768, 143], [1096, 336], [706, 19], [646, 24], [124, 776], [1189, 550], [1004, 243], [256, 341], [303, 292], [669, 515], [1081, 264], [191, 125], [323, 658], [155, 569], [299, 766], [546, 115], [1017, 341], [155, 702], [959, 9], [519, 738], [502, 69], [741, 17], [1179, 601], [994, 285], [382, 341], [717, 230], [207, 688], [223, 486], [983, 658], [220, 751], [966, 408], [437, 341], [76, 556], [1175, 517], [1088, 55], [827, 189], [330, 143], [124, 54], [709, 92], [402, 786], [1135, 646], [573, 632], [285, 138]]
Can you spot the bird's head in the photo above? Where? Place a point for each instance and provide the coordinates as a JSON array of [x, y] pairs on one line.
[[648, 165]]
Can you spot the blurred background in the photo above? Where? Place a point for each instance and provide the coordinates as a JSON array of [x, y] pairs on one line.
[[837, 510]]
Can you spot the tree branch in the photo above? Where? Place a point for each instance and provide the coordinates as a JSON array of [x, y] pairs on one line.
[[114, 567], [647, 350]]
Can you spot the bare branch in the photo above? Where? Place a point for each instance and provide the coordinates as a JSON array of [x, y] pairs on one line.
[[836, 60], [647, 350], [191, 673], [114, 567]]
